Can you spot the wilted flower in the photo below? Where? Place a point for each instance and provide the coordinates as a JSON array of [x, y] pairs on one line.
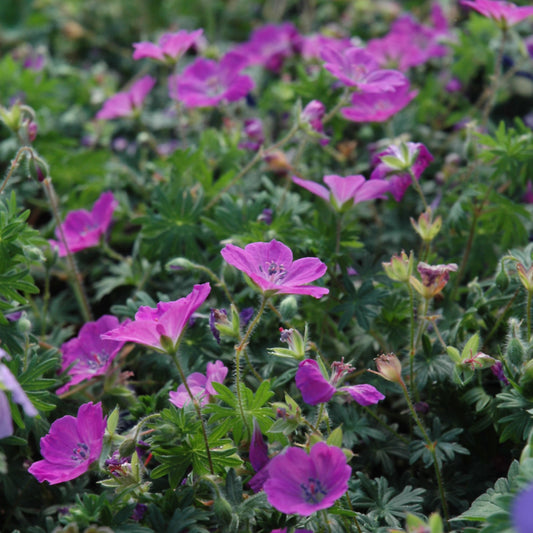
[[87, 354], [254, 136], [207, 83], [315, 388], [170, 48], [497, 370], [434, 278], [200, 386], [506, 14], [400, 267], [345, 191], [128, 102], [161, 328], [9, 383], [83, 229], [302, 484], [72, 444], [271, 267], [389, 367]]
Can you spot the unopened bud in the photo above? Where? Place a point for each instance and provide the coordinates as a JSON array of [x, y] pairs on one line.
[[400, 267], [389, 367], [426, 227]]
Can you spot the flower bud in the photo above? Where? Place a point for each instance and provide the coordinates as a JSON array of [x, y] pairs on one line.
[[526, 276], [426, 227], [502, 279], [400, 267], [12, 117], [389, 367]]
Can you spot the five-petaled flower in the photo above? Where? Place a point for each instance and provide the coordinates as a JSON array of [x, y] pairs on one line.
[[161, 328], [200, 386], [271, 267], [88, 355], [83, 229], [170, 48], [302, 484], [506, 14], [70, 447]]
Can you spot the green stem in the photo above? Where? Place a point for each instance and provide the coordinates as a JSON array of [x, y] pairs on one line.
[[431, 447], [14, 164], [197, 408], [419, 190], [343, 100], [411, 334], [529, 295], [419, 333], [142, 422], [354, 516], [495, 85], [386, 426], [217, 280]]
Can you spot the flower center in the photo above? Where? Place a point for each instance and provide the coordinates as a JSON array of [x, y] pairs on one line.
[[274, 273], [313, 491], [80, 453], [97, 360]]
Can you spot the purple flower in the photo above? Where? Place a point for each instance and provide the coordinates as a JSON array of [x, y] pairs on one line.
[[207, 83], [139, 512], [8, 382], [258, 455], [201, 386], [345, 191], [270, 266], [355, 67], [521, 515], [71, 445], [87, 354], [170, 48], [254, 136], [126, 103], [527, 198], [504, 13], [434, 278], [378, 107], [312, 46], [312, 116], [302, 484], [394, 163], [83, 229], [269, 45], [315, 388], [163, 325]]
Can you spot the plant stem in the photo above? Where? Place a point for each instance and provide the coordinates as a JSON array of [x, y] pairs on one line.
[[529, 295], [196, 406], [495, 85], [14, 164], [419, 190], [431, 448], [411, 336], [386, 426]]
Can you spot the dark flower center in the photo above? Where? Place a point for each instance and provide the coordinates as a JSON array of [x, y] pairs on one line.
[[80, 453], [274, 272], [313, 491]]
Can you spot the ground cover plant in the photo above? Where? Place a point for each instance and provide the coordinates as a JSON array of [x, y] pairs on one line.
[[266, 266]]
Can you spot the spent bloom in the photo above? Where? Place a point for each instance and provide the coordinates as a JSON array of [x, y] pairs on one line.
[[506, 14], [434, 278], [521, 515], [345, 191], [200, 386], [126, 103], [271, 267], [302, 484], [9, 383], [72, 444], [253, 134], [207, 83], [88, 355], [315, 388], [396, 163], [161, 328], [83, 229], [170, 48]]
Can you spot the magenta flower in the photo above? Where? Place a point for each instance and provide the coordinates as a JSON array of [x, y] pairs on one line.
[[311, 118], [170, 48], [269, 45], [253, 134], [87, 354], [378, 107], [345, 191], [355, 67], [259, 459], [163, 325], [303, 484], [270, 266], [315, 388], [200, 385], [312, 46], [83, 229], [506, 14], [72, 444], [207, 83], [521, 515], [126, 103], [394, 163], [9, 383]]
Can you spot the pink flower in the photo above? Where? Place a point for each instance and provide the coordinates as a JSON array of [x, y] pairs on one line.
[[311, 118], [88, 355], [315, 388], [207, 83], [378, 107], [200, 385], [346, 191], [393, 165], [170, 48], [270, 266], [163, 325], [355, 67], [302, 484], [506, 14], [269, 45], [72, 444], [254, 136], [83, 229], [126, 103], [312, 46]]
